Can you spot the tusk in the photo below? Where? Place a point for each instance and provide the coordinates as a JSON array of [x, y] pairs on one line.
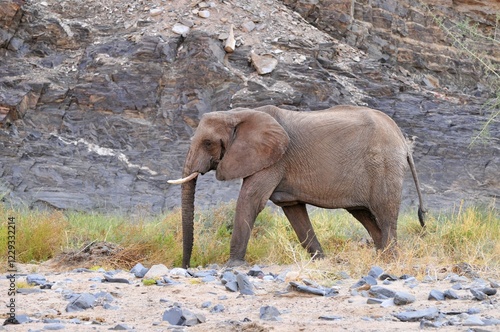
[[184, 180]]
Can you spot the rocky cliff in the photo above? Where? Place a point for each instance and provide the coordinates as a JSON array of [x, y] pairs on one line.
[[98, 100]]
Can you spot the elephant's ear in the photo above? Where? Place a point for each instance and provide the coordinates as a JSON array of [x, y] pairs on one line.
[[258, 141]]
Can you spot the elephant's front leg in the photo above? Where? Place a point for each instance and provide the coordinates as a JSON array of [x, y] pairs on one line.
[[298, 217], [254, 193]]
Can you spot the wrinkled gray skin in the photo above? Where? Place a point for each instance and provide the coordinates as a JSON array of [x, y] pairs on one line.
[[343, 157]]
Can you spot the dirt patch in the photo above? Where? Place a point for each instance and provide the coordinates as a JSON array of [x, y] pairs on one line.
[[91, 254]]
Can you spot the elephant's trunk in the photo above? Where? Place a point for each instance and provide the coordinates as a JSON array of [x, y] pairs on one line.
[[188, 190]]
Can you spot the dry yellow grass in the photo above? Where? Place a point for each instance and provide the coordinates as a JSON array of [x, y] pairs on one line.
[[466, 237]]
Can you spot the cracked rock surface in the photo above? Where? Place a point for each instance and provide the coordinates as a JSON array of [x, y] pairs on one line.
[[98, 100]]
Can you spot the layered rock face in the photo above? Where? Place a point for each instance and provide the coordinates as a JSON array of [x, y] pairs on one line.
[[98, 101]]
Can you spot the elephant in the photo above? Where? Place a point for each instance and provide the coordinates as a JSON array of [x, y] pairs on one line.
[[349, 157]]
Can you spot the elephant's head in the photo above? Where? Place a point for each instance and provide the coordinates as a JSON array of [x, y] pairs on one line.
[[235, 144]]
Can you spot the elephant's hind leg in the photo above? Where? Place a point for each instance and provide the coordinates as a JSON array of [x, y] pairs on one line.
[[298, 217], [367, 219]]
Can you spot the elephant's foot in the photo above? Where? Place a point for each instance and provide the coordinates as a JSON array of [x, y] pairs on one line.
[[318, 255], [233, 262]]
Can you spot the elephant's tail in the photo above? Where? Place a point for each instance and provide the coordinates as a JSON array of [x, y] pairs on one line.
[[421, 209]]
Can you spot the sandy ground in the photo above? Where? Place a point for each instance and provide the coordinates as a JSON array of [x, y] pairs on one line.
[[141, 307]]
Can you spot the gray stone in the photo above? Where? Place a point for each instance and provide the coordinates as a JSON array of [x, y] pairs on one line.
[[111, 278], [206, 304], [180, 272], [269, 313], [21, 319], [182, 317], [381, 292], [81, 302], [174, 316], [330, 317], [248, 26], [264, 64], [436, 295], [387, 276], [208, 278], [375, 272], [414, 316], [54, 326], [104, 296], [403, 298], [478, 294], [489, 291], [318, 290], [473, 311], [180, 29], [358, 284], [204, 13], [231, 286], [228, 276], [202, 274], [256, 271], [28, 290], [35, 279], [491, 321], [218, 308], [121, 327], [244, 284], [108, 306], [372, 300], [370, 280], [139, 270], [157, 272], [450, 294], [473, 321]]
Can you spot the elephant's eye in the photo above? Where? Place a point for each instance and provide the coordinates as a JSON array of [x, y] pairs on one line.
[[207, 143]]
